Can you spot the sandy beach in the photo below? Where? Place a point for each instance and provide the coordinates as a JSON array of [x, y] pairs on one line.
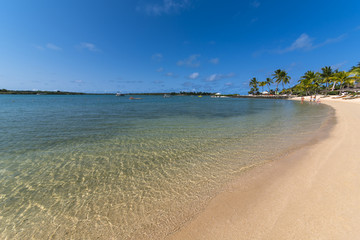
[[313, 193]]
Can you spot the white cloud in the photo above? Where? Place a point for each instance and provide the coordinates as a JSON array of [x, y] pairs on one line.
[[194, 75], [214, 60], [338, 65], [170, 74], [332, 40], [229, 84], [255, 3], [160, 69], [191, 61], [40, 47], [50, 46], [216, 77], [302, 42], [212, 78], [157, 57], [78, 82], [305, 42], [53, 47], [166, 7], [89, 46]]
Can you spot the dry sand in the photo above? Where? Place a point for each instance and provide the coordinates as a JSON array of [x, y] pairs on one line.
[[312, 194]]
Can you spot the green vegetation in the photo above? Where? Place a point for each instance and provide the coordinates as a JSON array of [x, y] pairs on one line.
[[254, 87], [5, 91], [327, 82], [196, 93]]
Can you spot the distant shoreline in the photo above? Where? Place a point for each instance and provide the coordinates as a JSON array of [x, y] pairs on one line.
[[30, 92]]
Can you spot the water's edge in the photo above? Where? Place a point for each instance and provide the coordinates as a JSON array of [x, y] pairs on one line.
[[323, 132]]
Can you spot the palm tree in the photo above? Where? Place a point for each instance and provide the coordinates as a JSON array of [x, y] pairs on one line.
[[356, 68], [334, 79], [326, 75], [355, 72], [253, 84], [262, 84], [282, 77], [269, 81], [309, 82], [344, 78], [277, 76], [285, 78]]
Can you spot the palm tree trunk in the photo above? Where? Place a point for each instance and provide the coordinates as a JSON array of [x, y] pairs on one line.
[[332, 89]]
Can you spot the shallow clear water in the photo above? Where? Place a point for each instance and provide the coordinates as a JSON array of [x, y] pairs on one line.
[[89, 167]]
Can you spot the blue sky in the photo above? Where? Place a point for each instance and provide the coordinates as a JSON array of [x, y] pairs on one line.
[[171, 45]]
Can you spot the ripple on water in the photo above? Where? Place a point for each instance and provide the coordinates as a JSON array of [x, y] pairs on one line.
[[81, 174]]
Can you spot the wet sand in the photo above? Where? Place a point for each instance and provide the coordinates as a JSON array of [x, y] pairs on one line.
[[314, 193]]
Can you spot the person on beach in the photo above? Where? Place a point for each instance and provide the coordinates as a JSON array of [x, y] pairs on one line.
[[310, 98], [314, 99], [302, 99]]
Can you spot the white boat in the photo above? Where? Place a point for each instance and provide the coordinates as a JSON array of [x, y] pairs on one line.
[[119, 94]]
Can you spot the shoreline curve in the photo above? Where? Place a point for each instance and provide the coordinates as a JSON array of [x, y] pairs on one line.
[[313, 193]]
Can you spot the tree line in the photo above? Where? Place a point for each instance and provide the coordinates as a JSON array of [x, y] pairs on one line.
[[326, 81]]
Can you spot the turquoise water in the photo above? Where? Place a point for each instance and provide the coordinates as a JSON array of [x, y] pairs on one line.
[[90, 167]]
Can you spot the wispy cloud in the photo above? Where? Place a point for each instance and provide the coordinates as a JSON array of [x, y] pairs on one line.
[[187, 84], [332, 40], [191, 61], [160, 69], [50, 46], [53, 47], [214, 60], [217, 77], [157, 57], [166, 7], [306, 43], [255, 3], [89, 46], [79, 82], [39, 47], [170, 74], [194, 75], [339, 65], [158, 82], [303, 42]]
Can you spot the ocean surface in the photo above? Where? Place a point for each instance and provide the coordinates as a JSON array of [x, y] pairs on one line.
[[106, 167]]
